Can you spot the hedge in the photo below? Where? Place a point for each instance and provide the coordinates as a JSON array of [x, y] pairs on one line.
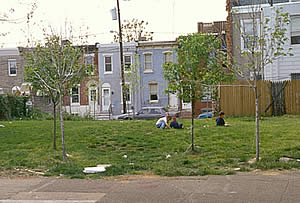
[[12, 106]]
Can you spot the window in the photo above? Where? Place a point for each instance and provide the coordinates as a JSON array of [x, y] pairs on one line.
[[148, 62], [155, 111], [168, 57], [143, 111], [12, 67], [206, 93], [295, 76], [1, 91], [153, 92], [187, 94], [75, 94], [295, 30], [259, 76], [249, 34], [89, 60], [127, 62], [107, 64], [93, 95]]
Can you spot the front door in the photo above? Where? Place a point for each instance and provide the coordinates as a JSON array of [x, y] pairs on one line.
[[93, 99], [173, 101], [105, 99]]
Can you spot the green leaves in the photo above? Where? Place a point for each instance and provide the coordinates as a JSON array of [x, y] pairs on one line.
[[199, 62], [54, 66]]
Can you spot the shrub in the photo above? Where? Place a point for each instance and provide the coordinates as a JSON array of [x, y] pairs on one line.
[[12, 106]]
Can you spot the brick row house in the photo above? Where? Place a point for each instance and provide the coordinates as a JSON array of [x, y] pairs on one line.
[[83, 99], [11, 70]]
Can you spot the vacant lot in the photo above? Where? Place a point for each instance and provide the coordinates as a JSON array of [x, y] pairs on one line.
[[26, 146]]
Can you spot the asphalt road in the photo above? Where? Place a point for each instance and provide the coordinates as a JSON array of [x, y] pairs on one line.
[[243, 187]]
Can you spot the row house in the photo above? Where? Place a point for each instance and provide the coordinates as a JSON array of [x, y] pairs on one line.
[[11, 70], [110, 81], [82, 99], [284, 67], [144, 61], [152, 56]]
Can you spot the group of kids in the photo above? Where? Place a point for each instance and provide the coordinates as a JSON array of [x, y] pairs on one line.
[[163, 122]]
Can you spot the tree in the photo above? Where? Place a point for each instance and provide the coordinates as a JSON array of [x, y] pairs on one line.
[[133, 77], [263, 42], [199, 63], [134, 30], [55, 67]]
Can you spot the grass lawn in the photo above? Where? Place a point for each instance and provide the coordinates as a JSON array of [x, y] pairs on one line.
[[28, 145]]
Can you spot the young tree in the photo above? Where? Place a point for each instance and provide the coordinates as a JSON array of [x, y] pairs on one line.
[[199, 62], [133, 77], [134, 30], [55, 67], [263, 41]]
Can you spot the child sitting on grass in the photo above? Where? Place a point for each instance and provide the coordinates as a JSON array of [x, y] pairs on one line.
[[175, 124], [220, 120]]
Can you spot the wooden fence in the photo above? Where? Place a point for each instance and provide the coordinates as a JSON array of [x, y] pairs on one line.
[[292, 97], [238, 98]]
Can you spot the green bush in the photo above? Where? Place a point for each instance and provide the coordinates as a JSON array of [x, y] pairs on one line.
[[12, 106]]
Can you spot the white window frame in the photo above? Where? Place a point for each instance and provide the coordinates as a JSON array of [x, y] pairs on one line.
[[157, 89], [206, 94], [9, 66], [298, 32], [165, 53], [104, 64], [130, 55], [130, 93], [242, 23], [148, 70], [252, 76], [71, 95]]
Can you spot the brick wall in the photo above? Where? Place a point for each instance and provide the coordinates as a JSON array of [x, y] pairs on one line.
[[8, 82]]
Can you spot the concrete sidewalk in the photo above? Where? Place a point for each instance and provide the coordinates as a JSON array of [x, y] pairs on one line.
[[243, 187]]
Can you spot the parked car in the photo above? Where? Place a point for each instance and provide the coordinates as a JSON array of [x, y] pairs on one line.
[[205, 115], [147, 113]]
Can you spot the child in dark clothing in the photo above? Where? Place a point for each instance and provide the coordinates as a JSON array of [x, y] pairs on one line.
[[220, 121], [175, 124]]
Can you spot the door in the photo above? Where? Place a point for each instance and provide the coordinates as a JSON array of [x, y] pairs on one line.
[[105, 99], [93, 99], [173, 101]]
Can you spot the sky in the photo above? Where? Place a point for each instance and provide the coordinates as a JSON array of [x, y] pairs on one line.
[[167, 18]]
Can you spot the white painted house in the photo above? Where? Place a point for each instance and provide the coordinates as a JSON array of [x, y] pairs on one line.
[[286, 67]]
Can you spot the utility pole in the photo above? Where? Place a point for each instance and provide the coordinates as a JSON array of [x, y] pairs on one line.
[[121, 59]]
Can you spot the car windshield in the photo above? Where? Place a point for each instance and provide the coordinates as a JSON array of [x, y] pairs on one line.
[[155, 111], [143, 111]]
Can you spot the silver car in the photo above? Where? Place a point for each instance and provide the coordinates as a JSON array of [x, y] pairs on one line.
[[147, 113]]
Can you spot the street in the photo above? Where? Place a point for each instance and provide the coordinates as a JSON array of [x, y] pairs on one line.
[[244, 187]]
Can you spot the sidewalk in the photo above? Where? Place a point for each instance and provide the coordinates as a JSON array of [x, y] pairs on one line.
[[243, 187]]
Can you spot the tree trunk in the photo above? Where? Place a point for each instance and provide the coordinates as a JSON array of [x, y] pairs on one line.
[[54, 126], [133, 103], [192, 130], [62, 128], [257, 121]]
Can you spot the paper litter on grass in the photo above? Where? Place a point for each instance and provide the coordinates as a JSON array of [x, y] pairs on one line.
[[2, 126], [97, 169]]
